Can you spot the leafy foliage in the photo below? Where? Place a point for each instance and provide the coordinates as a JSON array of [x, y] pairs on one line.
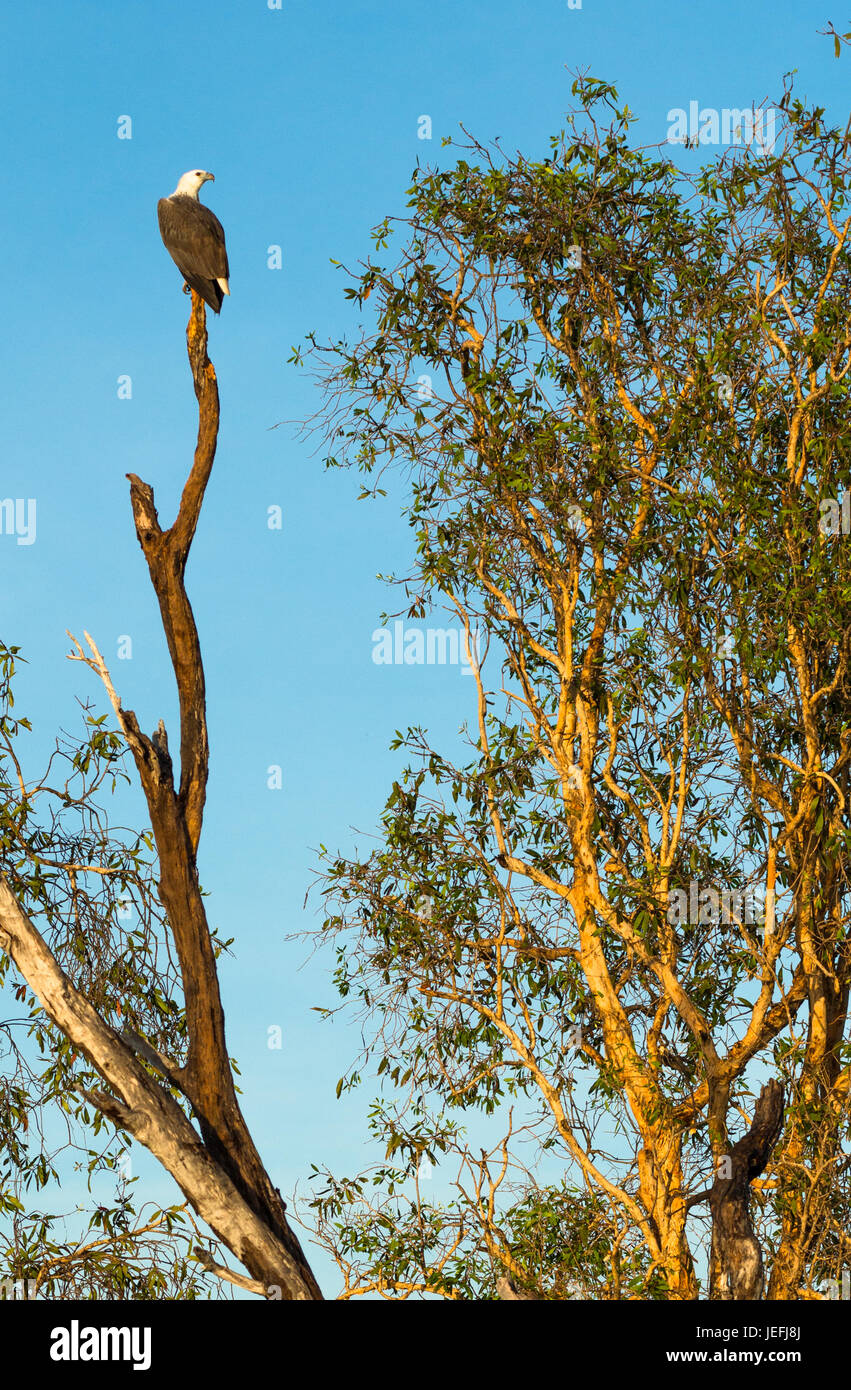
[[619, 397]]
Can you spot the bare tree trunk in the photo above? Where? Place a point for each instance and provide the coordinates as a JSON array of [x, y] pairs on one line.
[[736, 1269], [221, 1174]]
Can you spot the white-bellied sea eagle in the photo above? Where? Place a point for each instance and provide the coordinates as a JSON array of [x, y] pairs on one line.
[[195, 239]]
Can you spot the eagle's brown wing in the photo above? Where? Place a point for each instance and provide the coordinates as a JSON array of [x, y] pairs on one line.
[[195, 240]]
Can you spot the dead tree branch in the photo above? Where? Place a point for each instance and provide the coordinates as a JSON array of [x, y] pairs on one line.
[[220, 1173]]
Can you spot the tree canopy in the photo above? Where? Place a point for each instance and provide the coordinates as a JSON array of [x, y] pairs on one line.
[[618, 394]]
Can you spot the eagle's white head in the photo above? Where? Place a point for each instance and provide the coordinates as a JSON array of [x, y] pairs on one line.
[[190, 182]]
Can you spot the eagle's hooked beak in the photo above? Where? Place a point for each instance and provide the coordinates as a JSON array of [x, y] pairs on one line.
[[211, 178]]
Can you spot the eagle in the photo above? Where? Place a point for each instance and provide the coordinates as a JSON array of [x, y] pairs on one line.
[[195, 239]]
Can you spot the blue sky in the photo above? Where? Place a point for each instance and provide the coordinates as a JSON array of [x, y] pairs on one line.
[[308, 117]]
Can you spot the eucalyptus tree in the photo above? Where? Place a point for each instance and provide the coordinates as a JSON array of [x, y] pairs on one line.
[[614, 922]]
